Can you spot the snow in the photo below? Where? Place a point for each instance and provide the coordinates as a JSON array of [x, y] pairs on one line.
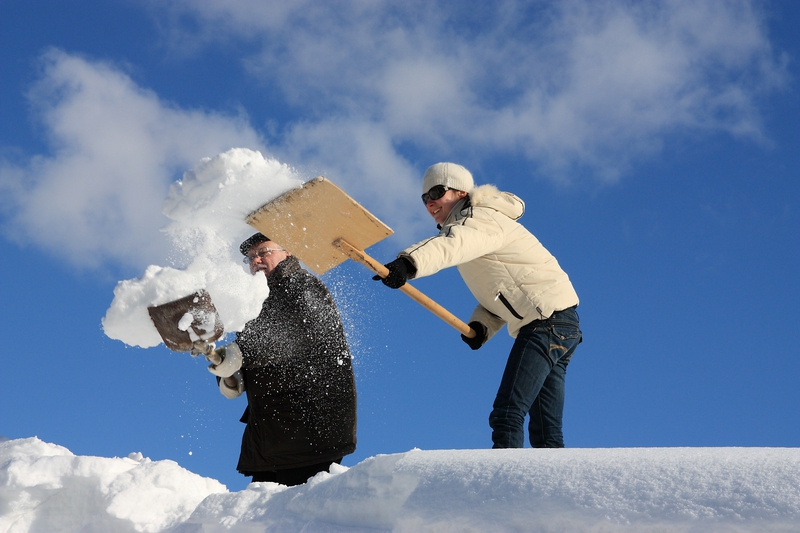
[[44, 488], [207, 209]]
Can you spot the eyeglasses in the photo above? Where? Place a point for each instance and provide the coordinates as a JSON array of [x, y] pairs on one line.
[[435, 192], [263, 253]]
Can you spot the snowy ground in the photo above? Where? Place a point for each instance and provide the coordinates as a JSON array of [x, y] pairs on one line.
[[44, 488]]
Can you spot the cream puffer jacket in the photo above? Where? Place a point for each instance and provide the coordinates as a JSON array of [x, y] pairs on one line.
[[513, 277]]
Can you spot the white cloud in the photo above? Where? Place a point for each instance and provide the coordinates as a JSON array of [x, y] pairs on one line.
[[115, 150], [380, 90], [589, 84], [359, 157]]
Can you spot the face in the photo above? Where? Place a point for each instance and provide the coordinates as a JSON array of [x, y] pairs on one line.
[[265, 256], [439, 209]]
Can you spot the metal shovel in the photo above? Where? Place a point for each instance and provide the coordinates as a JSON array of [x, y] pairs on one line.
[[205, 326]]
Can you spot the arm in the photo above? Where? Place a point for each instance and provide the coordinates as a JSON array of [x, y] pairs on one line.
[[233, 386], [492, 322], [323, 327], [470, 238]]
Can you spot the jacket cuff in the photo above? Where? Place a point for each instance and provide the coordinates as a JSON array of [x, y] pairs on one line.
[[229, 392], [492, 322]]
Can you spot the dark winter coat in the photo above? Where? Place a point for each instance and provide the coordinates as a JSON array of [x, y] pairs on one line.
[[301, 397]]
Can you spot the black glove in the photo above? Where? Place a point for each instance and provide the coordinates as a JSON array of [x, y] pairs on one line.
[[399, 271], [479, 338]]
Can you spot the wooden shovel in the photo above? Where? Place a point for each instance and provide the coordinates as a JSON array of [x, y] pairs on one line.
[[323, 227]]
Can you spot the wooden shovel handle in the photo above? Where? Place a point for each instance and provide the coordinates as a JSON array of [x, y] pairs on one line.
[[207, 349], [359, 255]]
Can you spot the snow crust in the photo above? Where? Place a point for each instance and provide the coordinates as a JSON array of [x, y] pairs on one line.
[[44, 488], [207, 210]]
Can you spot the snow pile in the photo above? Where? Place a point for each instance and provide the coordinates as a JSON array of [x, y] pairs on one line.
[[46, 489], [207, 209]]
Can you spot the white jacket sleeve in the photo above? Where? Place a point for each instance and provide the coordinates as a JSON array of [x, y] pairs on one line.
[[231, 361], [228, 392], [457, 243], [492, 322]]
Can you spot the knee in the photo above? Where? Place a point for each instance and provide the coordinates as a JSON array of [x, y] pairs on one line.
[[506, 418]]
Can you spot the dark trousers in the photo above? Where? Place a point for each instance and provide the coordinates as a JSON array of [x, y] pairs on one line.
[[533, 383], [293, 476]]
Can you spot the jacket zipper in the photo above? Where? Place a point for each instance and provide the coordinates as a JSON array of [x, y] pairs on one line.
[[507, 304]]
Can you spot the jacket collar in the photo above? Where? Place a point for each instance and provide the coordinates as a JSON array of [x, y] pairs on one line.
[[284, 269], [456, 213]]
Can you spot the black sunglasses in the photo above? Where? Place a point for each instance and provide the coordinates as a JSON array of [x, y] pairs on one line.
[[435, 192]]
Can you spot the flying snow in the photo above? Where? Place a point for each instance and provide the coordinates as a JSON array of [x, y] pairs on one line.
[[207, 209]]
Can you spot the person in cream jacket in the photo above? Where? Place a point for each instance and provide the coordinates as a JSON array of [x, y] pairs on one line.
[[517, 283]]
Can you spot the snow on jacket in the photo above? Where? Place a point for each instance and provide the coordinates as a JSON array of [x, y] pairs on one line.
[[298, 377], [513, 277]]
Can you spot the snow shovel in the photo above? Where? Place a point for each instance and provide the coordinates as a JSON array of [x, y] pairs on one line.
[[323, 227], [189, 324]]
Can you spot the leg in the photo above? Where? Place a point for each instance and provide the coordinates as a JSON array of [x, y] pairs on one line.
[[267, 475], [527, 367], [298, 476], [545, 425]]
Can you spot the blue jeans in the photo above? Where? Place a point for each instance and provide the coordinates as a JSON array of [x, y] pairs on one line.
[[533, 383]]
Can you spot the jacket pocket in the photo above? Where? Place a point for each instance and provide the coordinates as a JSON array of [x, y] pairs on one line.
[[508, 305], [566, 332]]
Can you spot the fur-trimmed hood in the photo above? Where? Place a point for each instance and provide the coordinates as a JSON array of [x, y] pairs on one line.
[[504, 202]]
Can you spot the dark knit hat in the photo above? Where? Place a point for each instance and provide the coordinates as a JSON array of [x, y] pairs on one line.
[[251, 241]]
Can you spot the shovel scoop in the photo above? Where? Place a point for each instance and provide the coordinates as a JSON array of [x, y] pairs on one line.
[[322, 226], [189, 324]]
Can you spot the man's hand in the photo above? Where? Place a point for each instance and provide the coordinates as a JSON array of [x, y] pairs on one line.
[[479, 338], [399, 271], [202, 347], [231, 357]]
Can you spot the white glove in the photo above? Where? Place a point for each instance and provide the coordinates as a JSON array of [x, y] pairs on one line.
[[231, 361], [229, 392]]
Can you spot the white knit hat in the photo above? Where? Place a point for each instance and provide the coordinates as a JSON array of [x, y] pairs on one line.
[[450, 175]]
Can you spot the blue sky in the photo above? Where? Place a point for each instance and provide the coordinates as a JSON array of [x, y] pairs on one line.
[[655, 145]]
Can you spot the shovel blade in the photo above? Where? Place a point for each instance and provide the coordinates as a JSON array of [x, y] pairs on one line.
[[308, 220], [205, 321]]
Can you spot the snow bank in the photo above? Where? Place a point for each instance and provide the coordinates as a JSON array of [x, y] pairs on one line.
[[207, 209], [46, 489]]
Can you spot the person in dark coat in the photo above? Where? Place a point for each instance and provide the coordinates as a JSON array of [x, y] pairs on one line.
[[294, 364]]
